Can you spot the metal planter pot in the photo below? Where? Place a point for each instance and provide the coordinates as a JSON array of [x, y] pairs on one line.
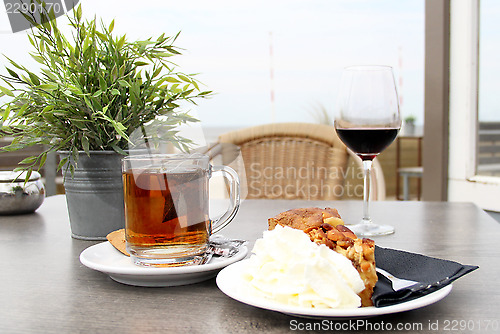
[[95, 195]]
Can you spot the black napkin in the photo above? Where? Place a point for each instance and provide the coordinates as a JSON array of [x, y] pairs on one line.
[[432, 274]]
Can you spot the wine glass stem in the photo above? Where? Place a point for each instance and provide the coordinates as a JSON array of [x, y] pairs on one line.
[[367, 166]]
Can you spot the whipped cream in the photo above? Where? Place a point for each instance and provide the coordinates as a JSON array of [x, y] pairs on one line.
[[287, 267]]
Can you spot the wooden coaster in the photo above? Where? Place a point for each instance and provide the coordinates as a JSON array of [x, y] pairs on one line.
[[117, 239]]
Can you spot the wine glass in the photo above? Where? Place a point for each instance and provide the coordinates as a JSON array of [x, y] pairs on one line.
[[367, 121]]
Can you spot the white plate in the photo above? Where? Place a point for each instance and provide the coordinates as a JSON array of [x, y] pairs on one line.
[[105, 258], [230, 281]]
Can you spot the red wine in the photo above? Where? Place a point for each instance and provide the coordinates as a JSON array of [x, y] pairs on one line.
[[367, 143]]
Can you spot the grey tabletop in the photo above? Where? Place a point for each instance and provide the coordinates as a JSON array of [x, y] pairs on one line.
[[45, 289]]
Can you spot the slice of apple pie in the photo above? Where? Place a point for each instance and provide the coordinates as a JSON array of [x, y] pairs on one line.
[[325, 226]]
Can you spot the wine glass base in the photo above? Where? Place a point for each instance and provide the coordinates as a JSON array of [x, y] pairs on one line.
[[370, 229]]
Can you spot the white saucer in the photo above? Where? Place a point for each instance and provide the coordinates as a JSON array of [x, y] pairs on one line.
[[105, 258], [230, 281]]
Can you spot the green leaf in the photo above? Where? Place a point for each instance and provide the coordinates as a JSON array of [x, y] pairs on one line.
[[97, 94], [23, 108], [184, 78], [47, 109], [14, 63], [86, 43], [171, 79], [13, 147], [43, 158], [12, 73], [195, 84], [79, 12], [34, 79], [38, 58], [75, 90], [59, 43], [48, 86], [85, 144], [121, 42], [6, 91], [115, 91], [49, 74], [173, 51], [118, 149], [124, 83], [5, 114], [32, 42], [87, 102], [102, 83], [62, 162], [102, 36], [111, 26], [114, 72], [28, 160], [28, 175]]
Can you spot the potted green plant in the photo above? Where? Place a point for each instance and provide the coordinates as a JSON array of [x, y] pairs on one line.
[[92, 92], [409, 127]]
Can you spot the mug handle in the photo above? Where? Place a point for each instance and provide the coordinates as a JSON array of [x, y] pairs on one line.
[[234, 197]]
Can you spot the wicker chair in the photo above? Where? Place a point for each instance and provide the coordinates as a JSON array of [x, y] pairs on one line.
[[293, 161]]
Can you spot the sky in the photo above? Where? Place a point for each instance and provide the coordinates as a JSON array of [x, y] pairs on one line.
[[228, 44]]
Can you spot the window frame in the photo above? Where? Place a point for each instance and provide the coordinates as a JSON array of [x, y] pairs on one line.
[[463, 182]]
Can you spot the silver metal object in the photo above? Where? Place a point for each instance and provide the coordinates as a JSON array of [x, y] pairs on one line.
[[219, 246], [18, 196], [397, 283]]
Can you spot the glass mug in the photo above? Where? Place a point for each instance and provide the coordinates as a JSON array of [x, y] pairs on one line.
[[166, 207]]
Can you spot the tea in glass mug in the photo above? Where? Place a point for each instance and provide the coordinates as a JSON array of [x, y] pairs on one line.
[[167, 207]]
